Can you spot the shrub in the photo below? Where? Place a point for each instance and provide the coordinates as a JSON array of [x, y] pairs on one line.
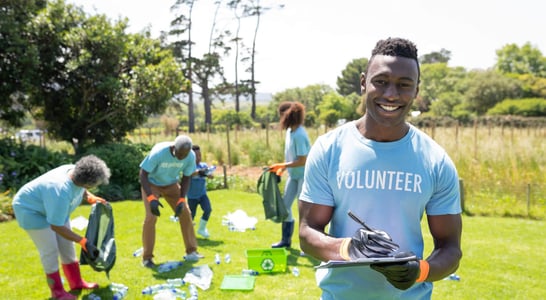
[[123, 161]]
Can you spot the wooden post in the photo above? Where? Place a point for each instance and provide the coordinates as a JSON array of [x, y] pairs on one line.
[[225, 176], [228, 146]]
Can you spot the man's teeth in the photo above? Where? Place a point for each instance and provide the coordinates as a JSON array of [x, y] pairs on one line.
[[389, 108]]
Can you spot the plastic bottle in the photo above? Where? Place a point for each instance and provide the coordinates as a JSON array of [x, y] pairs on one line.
[[176, 282], [453, 277], [93, 297], [120, 294], [138, 252], [173, 218], [152, 289], [117, 286], [217, 258], [193, 292], [210, 170], [169, 266], [250, 272], [296, 271], [227, 258]]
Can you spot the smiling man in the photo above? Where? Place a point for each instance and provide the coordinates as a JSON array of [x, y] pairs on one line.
[[384, 171]]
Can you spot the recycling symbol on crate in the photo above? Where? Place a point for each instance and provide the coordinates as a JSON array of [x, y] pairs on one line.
[[268, 264]]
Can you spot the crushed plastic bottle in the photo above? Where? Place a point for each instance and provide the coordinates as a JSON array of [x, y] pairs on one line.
[[210, 170], [217, 258], [176, 282], [138, 252], [174, 219], [169, 266], [227, 258], [454, 277], [193, 292], [249, 272], [152, 289], [296, 271], [120, 294], [93, 297]]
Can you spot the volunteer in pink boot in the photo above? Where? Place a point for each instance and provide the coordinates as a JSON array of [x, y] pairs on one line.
[[42, 208]]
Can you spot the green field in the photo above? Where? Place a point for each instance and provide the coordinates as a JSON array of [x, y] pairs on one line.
[[502, 257]]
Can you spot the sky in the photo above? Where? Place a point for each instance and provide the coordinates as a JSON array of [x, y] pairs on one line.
[[311, 41]]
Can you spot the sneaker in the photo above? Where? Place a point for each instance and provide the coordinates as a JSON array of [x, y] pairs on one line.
[[148, 263], [194, 256]]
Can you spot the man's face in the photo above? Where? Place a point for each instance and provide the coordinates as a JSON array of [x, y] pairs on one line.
[[180, 154], [390, 86]]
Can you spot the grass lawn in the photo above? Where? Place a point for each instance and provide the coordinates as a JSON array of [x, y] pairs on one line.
[[503, 257]]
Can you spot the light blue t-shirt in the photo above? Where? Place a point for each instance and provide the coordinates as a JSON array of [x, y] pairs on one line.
[[198, 184], [47, 200], [164, 168], [296, 144], [388, 185]]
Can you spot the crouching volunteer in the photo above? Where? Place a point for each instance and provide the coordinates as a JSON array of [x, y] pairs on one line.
[[42, 208], [159, 175]]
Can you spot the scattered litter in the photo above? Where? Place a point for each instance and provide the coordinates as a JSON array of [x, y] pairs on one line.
[[201, 276], [79, 223], [239, 221]]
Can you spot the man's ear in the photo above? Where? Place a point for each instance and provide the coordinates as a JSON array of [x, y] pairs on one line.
[[362, 83]]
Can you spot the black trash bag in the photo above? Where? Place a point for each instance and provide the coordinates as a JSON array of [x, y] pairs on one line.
[[100, 232], [268, 188]]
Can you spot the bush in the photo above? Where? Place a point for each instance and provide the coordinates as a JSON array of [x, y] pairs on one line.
[[20, 163], [123, 161]]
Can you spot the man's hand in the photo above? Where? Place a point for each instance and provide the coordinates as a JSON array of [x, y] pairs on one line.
[[89, 248], [366, 243], [403, 275], [203, 172], [180, 206], [154, 205], [277, 168]]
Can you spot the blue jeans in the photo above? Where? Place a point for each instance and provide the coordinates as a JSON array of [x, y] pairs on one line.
[[202, 201], [292, 190]]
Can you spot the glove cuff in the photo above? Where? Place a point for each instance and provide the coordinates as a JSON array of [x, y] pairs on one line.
[[151, 198], [181, 200], [344, 249], [424, 267], [82, 243]]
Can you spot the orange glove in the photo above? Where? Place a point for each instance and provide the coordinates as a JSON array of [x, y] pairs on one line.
[[277, 168], [92, 199]]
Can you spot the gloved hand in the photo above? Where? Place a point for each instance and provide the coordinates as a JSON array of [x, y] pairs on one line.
[[203, 172], [366, 243], [154, 205], [277, 168], [92, 199], [403, 275], [89, 248], [180, 206]]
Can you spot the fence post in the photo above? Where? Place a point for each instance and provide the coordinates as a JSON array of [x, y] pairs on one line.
[[225, 177], [461, 194]]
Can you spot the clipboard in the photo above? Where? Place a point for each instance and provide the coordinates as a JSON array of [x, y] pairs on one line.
[[364, 262]]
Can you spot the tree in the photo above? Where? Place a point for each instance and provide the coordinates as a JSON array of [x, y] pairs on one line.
[[349, 82], [18, 57], [310, 96], [524, 60], [443, 56], [437, 79], [182, 24], [97, 82], [487, 88], [334, 107]]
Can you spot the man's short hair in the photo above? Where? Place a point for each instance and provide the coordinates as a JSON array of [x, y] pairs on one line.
[[396, 47], [195, 148], [182, 142]]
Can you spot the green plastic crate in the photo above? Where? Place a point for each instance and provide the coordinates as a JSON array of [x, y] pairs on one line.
[[267, 260]]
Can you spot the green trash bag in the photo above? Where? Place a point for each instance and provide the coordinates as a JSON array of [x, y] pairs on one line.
[[268, 188], [100, 232]]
